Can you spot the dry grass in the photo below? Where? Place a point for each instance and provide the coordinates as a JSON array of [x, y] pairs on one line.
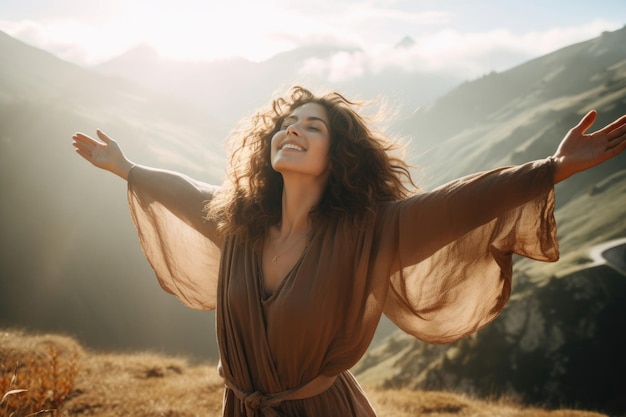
[[37, 373], [52, 375]]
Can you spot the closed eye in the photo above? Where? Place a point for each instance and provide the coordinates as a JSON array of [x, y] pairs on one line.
[[293, 119], [313, 128]]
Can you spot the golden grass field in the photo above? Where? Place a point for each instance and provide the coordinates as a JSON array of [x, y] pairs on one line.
[[53, 375]]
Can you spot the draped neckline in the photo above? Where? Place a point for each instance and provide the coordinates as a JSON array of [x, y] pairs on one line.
[[267, 296]]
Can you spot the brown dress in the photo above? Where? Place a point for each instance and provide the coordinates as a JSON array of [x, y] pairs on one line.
[[438, 264]]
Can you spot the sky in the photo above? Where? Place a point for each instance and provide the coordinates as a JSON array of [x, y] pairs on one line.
[[471, 37]]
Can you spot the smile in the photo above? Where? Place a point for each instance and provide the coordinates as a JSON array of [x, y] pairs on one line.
[[292, 146]]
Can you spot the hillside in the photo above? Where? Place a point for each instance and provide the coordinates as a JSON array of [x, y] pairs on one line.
[[69, 258], [521, 114], [62, 375]]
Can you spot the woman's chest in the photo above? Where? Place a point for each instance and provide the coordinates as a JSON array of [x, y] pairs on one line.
[[318, 285]]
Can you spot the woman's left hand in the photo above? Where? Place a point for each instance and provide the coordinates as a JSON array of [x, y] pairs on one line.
[[579, 151]]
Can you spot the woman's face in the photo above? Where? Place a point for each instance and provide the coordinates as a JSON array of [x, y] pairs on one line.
[[303, 142]]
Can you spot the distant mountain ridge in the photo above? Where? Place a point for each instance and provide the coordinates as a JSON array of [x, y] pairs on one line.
[[236, 86]]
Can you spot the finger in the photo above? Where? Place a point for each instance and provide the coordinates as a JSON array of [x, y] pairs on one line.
[[82, 146], [84, 141], [586, 122], [102, 136], [616, 142], [617, 149], [81, 137], [84, 154], [84, 149], [617, 128]]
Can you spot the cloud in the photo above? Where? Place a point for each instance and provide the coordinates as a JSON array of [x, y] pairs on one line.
[[465, 54], [365, 22], [257, 30], [68, 39]]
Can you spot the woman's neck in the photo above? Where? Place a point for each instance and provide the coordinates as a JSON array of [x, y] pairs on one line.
[[299, 198]]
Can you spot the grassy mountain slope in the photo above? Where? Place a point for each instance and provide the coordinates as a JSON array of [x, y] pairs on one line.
[[520, 114]]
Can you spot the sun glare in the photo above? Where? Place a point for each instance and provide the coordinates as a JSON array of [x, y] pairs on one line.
[[203, 33], [207, 32]]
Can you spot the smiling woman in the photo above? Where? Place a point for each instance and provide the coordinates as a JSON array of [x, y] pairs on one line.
[[318, 232], [301, 146]]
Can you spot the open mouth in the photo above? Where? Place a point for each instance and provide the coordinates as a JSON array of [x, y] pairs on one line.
[[292, 146]]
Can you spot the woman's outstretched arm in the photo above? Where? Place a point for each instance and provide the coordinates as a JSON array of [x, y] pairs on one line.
[[182, 196], [167, 208], [580, 151]]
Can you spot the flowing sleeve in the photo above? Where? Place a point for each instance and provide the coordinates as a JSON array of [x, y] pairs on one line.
[[180, 245], [453, 248]]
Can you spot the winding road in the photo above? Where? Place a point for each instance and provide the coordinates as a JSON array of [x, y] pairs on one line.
[[611, 254]]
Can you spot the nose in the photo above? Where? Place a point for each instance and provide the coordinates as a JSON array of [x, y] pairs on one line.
[[292, 130]]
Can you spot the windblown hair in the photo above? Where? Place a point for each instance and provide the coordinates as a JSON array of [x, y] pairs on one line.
[[363, 170]]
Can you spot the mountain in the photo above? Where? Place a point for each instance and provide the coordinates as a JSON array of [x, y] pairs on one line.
[[236, 86], [69, 259], [557, 342], [520, 114]]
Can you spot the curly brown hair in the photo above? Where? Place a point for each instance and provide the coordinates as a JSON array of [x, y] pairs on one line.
[[363, 172]]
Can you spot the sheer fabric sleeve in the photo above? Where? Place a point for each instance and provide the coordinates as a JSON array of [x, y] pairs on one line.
[[180, 245], [453, 260]]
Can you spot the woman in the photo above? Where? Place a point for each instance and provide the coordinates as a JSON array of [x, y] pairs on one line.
[[315, 234]]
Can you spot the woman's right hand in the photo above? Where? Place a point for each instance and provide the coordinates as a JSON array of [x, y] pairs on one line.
[[105, 154]]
